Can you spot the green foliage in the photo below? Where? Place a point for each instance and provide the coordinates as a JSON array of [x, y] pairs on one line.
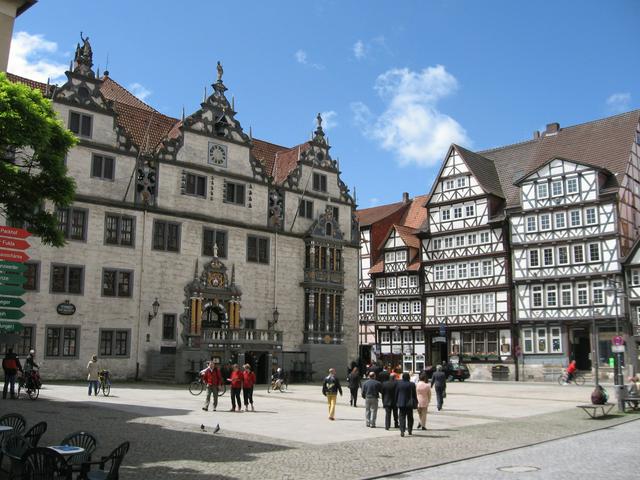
[[33, 146]]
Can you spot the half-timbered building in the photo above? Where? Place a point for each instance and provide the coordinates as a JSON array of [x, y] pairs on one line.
[[632, 289]]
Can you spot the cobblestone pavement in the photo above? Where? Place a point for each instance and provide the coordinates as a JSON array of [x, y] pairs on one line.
[[289, 435]]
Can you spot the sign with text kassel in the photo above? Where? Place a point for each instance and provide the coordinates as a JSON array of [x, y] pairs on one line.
[[12, 258]]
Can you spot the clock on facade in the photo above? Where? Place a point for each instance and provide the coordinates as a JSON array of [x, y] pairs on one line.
[[217, 154]]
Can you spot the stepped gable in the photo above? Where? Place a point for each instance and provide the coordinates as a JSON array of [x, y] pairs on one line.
[[604, 143]]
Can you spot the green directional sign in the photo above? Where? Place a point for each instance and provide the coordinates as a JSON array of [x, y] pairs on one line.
[[10, 314], [12, 267], [11, 302], [7, 279], [11, 290], [10, 327]]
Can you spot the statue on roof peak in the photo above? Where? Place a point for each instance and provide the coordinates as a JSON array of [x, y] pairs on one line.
[[84, 57], [220, 71], [319, 118]]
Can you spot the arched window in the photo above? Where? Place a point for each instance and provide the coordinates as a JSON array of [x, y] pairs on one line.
[[328, 230]]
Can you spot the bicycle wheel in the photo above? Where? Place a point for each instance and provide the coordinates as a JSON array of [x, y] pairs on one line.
[[106, 389], [561, 379], [222, 389], [579, 379], [33, 393], [196, 387], [283, 386]]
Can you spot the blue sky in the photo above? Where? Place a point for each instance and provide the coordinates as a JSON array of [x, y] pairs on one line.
[[398, 81]]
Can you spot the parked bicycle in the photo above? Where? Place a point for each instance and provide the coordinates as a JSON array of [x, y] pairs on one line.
[[280, 385], [577, 378], [198, 386], [30, 382], [105, 382]]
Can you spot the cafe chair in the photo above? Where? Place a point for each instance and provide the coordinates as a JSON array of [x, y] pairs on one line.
[[34, 434], [14, 420], [113, 460], [45, 464], [14, 447], [85, 440]]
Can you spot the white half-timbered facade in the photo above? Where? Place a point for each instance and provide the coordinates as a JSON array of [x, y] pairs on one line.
[[367, 336], [466, 266]]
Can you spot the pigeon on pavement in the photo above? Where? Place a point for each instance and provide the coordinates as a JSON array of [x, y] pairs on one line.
[[217, 429], [202, 428]]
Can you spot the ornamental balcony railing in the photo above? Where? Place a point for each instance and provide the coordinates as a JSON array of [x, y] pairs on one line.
[[236, 338], [312, 275], [323, 337]]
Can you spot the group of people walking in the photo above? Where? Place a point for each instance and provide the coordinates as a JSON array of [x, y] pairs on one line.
[[400, 395], [240, 380], [11, 366]]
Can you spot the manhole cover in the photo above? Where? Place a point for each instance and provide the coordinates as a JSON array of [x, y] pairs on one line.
[[518, 469]]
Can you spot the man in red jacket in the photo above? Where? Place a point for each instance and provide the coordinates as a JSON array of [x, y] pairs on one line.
[[212, 379], [249, 380]]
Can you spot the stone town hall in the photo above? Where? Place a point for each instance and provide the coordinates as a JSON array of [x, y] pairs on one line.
[[188, 239]]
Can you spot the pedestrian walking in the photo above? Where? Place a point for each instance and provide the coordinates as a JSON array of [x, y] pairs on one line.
[[93, 374], [11, 366], [330, 389], [353, 379], [212, 378], [439, 382], [235, 380], [389, 401], [371, 392], [423, 392], [406, 400], [248, 381]]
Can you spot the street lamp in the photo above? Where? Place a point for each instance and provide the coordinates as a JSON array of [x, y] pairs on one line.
[[616, 288], [155, 306], [276, 315]]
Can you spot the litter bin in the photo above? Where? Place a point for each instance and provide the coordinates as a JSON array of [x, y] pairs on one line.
[[500, 373]]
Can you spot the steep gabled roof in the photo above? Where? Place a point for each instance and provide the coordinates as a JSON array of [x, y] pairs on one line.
[[416, 215], [369, 216], [483, 169], [408, 236]]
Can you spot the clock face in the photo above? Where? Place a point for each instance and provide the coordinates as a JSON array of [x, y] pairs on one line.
[[217, 154]]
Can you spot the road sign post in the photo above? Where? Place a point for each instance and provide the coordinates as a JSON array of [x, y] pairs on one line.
[[12, 258]]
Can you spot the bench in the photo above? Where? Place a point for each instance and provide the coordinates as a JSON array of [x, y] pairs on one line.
[[592, 410], [632, 400]]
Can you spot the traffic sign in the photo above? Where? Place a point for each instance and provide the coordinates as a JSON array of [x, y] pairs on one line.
[[11, 302], [11, 327], [617, 340], [11, 290], [8, 278], [14, 243], [13, 232], [10, 314], [12, 267], [13, 256]]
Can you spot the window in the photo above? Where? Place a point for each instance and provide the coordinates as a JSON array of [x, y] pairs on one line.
[[305, 209], [395, 336], [25, 342], [572, 185], [441, 306], [472, 239], [536, 296], [575, 218], [535, 341], [195, 185], [470, 210], [385, 336], [102, 167], [582, 293], [168, 326], [419, 337], [401, 256], [404, 308], [541, 334], [449, 185], [487, 268], [382, 308], [547, 257], [361, 303], [66, 279], [462, 182], [531, 224], [542, 190], [319, 182], [552, 296], [368, 303], [446, 214], [556, 188], [476, 303], [413, 281], [391, 282], [116, 283], [114, 343], [578, 254], [460, 241], [166, 236], [451, 272], [257, 249], [390, 257], [403, 282], [597, 292], [72, 222], [590, 216], [380, 283], [474, 269], [545, 221], [527, 335], [534, 259], [437, 244], [211, 237], [448, 242], [416, 306], [635, 277], [489, 302], [234, 193], [118, 230], [457, 212], [556, 345], [32, 276], [594, 252], [393, 308], [463, 306], [566, 297], [61, 342], [484, 237], [80, 124], [563, 255], [336, 212], [462, 270], [439, 273], [407, 336], [560, 220], [452, 305]]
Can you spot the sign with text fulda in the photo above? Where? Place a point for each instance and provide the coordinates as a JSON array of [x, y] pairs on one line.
[[12, 268]]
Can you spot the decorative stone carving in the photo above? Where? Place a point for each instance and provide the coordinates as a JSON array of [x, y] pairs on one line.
[[146, 184], [327, 226], [83, 59], [276, 208]]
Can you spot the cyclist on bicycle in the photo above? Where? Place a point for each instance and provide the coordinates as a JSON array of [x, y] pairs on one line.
[[571, 370], [30, 362], [277, 379]]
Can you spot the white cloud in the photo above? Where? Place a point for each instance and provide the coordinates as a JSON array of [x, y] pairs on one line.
[[411, 126], [31, 57], [328, 120], [369, 48], [301, 57], [374, 201], [359, 50], [619, 102], [139, 91]]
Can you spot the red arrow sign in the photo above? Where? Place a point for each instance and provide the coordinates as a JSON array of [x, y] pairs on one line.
[[14, 232], [12, 256], [14, 243]]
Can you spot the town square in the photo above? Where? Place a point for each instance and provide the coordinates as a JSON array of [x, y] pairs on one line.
[[298, 239]]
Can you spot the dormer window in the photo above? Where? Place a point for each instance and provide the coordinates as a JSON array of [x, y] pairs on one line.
[[401, 256], [390, 257], [462, 182], [449, 185]]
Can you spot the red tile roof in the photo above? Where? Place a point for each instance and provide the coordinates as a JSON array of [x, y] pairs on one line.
[[408, 236], [28, 82], [369, 216], [265, 152], [416, 214]]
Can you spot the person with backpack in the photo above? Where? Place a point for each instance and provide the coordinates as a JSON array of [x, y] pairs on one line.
[[330, 389], [11, 366]]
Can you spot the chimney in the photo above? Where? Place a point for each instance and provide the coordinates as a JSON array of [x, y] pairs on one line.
[[405, 197], [552, 128], [536, 134]]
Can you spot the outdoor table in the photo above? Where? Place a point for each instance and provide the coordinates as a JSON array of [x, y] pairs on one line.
[[66, 450], [5, 428]]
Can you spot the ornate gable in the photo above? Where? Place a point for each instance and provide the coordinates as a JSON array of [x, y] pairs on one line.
[[326, 227], [214, 282]]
